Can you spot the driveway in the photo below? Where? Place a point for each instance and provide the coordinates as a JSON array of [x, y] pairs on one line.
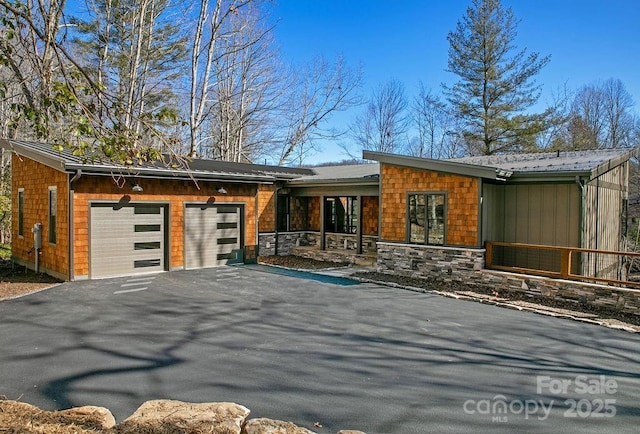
[[361, 356]]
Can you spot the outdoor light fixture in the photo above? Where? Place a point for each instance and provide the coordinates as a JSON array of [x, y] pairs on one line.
[[221, 190], [136, 187]]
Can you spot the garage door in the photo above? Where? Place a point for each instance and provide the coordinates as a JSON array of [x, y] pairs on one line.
[[213, 235], [126, 240]]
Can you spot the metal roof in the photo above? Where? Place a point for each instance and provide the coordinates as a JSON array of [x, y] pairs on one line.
[[541, 165], [352, 173], [200, 169], [588, 162]]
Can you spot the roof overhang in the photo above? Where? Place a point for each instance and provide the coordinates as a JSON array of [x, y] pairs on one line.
[[66, 164], [441, 166]]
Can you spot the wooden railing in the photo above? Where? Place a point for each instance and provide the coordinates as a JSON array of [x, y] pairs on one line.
[[609, 267]]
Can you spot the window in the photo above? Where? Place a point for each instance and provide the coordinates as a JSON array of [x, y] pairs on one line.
[[21, 212], [341, 214], [53, 214], [283, 213], [426, 218]]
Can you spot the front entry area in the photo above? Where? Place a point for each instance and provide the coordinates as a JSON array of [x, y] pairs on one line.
[[127, 239], [213, 235]]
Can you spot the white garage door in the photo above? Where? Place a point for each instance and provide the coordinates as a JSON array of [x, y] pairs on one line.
[[213, 235], [126, 240]]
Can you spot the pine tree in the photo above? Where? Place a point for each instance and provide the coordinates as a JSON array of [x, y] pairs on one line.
[[495, 87]]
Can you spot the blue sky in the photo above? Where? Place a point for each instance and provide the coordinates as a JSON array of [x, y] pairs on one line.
[[407, 40]]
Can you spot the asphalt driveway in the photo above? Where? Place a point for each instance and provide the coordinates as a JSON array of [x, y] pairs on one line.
[[363, 356]]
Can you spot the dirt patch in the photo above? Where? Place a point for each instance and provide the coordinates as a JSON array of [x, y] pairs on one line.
[[300, 263], [546, 306], [16, 281]]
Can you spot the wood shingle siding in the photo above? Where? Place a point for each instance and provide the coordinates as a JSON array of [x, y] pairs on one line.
[[35, 179], [173, 193], [462, 202]]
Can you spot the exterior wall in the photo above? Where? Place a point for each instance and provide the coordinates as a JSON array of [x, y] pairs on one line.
[[547, 214], [314, 213], [604, 211], [335, 241], [266, 208], [36, 178], [462, 202], [413, 260], [370, 215], [286, 242], [174, 193]]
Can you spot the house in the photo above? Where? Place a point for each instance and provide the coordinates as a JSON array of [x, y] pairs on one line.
[[102, 220], [418, 216], [448, 210]]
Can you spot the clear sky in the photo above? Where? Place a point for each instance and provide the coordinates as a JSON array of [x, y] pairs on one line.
[[407, 40]]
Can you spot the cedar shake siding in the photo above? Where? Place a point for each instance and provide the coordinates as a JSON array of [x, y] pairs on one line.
[[462, 207], [36, 178], [172, 192]]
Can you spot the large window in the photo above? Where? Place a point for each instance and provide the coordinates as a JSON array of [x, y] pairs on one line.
[[21, 212], [427, 218], [53, 214], [341, 214]]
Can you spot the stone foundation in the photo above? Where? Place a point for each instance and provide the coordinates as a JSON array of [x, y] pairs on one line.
[[467, 266], [287, 241], [414, 260]]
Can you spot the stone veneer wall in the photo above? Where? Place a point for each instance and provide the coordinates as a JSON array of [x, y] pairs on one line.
[[336, 241], [413, 260], [288, 240], [467, 265]]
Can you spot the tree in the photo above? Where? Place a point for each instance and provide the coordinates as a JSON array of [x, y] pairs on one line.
[[438, 130], [600, 117], [495, 86], [383, 125], [134, 50], [313, 93]]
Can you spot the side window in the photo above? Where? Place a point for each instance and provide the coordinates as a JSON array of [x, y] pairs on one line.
[[426, 218], [53, 214], [283, 213], [21, 212]]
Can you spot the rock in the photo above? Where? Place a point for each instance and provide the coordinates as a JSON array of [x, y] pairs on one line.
[[22, 417], [271, 426], [98, 417], [162, 416]]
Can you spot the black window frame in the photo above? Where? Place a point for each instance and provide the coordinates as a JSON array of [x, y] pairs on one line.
[[283, 213], [426, 221], [53, 215], [335, 222]]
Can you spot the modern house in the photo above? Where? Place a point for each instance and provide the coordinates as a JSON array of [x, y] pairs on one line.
[[101, 220]]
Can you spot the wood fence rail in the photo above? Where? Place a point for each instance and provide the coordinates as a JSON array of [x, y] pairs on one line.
[[572, 263]]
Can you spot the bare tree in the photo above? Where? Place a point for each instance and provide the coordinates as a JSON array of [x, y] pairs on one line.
[[315, 92], [247, 91], [619, 120], [384, 124], [212, 27]]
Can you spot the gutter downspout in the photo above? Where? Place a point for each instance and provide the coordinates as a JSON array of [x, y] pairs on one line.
[[583, 203]]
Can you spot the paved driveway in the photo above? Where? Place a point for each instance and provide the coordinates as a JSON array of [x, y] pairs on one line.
[[363, 356]]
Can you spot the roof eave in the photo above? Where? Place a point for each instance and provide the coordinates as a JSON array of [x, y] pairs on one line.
[[145, 172], [442, 166], [56, 163], [613, 163], [336, 181]]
